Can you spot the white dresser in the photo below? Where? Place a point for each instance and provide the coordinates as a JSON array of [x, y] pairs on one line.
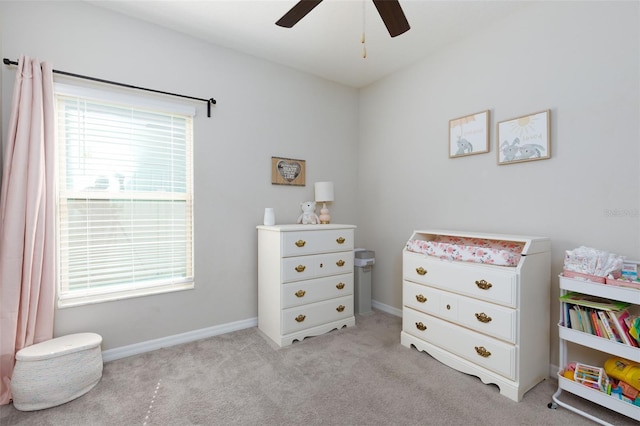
[[305, 280], [486, 320]]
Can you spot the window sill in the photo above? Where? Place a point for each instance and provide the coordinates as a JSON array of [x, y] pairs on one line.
[[67, 301]]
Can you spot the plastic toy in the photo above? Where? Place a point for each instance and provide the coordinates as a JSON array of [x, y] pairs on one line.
[[624, 370], [569, 371], [593, 377]]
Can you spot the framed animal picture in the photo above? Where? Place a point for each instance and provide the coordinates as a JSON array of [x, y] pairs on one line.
[[469, 135], [525, 138]]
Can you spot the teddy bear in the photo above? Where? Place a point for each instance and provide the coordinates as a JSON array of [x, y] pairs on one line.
[[308, 215]]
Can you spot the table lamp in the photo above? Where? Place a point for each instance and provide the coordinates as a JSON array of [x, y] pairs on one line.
[[324, 194]]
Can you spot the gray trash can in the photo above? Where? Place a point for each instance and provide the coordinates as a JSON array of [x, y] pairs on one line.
[[363, 266]]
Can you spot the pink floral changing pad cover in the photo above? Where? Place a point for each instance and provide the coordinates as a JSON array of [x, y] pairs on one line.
[[466, 249]]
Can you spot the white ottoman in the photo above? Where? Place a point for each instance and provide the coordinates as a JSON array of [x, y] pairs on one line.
[[56, 371]]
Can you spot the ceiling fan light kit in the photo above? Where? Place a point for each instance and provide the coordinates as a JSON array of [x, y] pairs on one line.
[[389, 10]]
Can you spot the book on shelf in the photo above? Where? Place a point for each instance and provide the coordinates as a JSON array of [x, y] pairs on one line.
[[620, 324], [608, 325], [575, 321], [633, 324], [584, 319], [596, 302], [595, 323], [608, 328]]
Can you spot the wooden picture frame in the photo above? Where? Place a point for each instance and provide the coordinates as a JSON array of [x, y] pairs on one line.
[[287, 171], [469, 135], [524, 138]]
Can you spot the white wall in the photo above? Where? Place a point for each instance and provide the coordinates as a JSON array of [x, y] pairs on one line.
[[581, 60], [263, 110]]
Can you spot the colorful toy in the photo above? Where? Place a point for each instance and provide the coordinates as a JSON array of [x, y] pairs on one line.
[[624, 370], [569, 371], [591, 376]]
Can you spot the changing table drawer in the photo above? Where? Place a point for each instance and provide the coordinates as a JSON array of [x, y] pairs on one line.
[[487, 318], [494, 320], [493, 284], [485, 351], [420, 297]]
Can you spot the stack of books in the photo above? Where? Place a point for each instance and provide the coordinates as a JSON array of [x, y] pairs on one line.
[[609, 319]]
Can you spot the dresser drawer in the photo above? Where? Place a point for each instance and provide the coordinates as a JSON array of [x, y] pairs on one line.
[[308, 242], [307, 316], [314, 266], [309, 291], [484, 351], [490, 283]]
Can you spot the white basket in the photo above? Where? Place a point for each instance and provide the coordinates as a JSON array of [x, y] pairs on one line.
[[56, 371]]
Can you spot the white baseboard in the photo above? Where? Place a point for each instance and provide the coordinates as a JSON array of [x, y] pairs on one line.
[[553, 371], [176, 339], [192, 336], [386, 308]]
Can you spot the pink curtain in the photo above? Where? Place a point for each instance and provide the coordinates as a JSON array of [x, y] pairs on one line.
[[27, 256]]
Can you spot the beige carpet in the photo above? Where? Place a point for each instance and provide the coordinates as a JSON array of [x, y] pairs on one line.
[[354, 376]]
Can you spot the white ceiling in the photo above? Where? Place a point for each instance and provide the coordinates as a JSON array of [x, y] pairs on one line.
[[326, 42]]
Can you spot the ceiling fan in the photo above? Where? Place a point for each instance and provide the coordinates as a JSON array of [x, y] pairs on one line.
[[389, 10]]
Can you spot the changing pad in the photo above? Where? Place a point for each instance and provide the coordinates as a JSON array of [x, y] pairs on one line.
[[466, 249]]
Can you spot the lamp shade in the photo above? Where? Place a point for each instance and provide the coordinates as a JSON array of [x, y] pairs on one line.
[[324, 191]]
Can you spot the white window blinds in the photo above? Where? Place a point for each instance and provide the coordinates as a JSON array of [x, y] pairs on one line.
[[125, 195]]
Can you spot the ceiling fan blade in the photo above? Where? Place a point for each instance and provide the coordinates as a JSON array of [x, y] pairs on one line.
[[297, 12], [392, 16]]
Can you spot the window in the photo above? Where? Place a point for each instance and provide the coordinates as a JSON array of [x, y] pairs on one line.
[[125, 196]]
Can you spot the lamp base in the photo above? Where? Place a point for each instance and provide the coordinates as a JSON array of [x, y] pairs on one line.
[[324, 217]]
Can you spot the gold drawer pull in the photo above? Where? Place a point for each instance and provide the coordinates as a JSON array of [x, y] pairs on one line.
[[340, 262], [340, 286], [340, 240], [300, 293], [482, 317], [300, 318], [421, 271], [420, 298], [484, 285], [483, 352], [340, 308], [301, 243], [420, 326], [300, 268]]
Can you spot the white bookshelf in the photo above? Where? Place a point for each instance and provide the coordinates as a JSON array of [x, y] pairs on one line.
[[623, 294]]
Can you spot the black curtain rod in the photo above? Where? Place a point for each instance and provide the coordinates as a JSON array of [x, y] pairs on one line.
[[209, 101]]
